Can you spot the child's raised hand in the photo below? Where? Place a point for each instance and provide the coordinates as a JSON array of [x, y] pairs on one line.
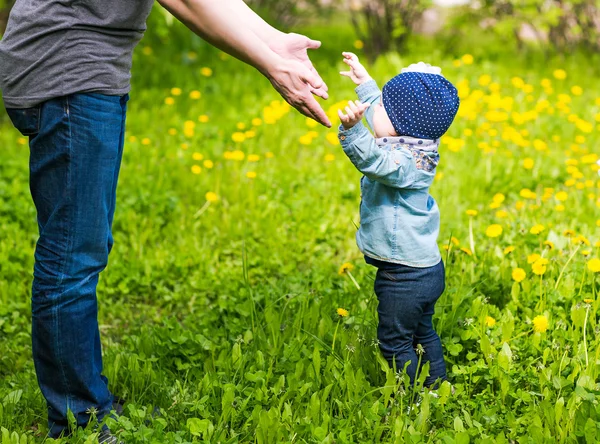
[[354, 113], [358, 74]]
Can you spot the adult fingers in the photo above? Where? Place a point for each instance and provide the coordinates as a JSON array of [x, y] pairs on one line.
[[316, 112]]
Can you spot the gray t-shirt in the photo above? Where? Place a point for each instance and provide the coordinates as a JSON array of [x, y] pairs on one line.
[[53, 48]]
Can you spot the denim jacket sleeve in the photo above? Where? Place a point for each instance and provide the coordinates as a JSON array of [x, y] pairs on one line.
[[394, 168], [368, 92]]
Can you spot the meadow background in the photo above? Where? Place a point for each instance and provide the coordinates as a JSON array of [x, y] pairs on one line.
[[234, 251]]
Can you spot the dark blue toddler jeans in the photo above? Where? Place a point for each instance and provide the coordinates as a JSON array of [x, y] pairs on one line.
[[407, 298], [76, 144]]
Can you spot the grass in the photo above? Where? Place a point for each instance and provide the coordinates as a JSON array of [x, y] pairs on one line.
[[222, 313]]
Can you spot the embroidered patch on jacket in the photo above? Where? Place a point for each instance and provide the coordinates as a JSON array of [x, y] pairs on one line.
[[424, 161]]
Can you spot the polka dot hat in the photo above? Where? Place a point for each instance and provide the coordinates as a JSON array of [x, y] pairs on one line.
[[420, 104]]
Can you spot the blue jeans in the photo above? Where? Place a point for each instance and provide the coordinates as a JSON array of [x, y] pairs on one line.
[[407, 298], [76, 145]]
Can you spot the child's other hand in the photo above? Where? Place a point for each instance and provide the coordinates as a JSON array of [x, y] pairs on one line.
[[358, 74], [354, 113]]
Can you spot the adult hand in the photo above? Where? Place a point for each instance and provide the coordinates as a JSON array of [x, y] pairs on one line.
[[295, 47], [296, 82]]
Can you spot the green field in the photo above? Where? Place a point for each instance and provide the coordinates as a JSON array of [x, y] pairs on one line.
[[235, 216]]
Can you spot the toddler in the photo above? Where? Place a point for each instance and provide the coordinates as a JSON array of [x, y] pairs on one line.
[[399, 220]]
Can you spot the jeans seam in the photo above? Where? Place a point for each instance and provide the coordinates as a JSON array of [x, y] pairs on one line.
[[67, 233]]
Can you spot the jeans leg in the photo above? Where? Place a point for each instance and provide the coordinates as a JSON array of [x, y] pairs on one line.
[[74, 163], [427, 336], [398, 320]]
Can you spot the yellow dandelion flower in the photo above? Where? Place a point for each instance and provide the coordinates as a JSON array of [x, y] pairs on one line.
[[540, 324], [528, 163], [346, 266], [211, 196], [509, 249], [358, 44], [196, 169], [560, 74], [537, 229], [169, 101], [484, 80], [576, 90], [147, 50], [549, 244], [490, 321], [256, 121], [197, 156], [518, 274], [472, 213], [539, 267], [184, 146], [269, 155], [132, 139], [311, 123], [561, 196], [249, 134], [251, 175], [306, 139], [455, 241], [493, 230], [206, 72], [195, 95], [176, 91], [332, 138], [342, 312], [172, 131], [203, 118], [329, 158], [146, 141], [238, 137], [588, 300], [253, 158], [208, 164], [241, 125], [533, 258], [467, 251], [586, 253], [467, 59], [501, 214]]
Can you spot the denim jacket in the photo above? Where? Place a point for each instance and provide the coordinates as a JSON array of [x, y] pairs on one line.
[[399, 220]]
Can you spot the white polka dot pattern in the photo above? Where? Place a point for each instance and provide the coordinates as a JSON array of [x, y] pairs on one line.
[[420, 104]]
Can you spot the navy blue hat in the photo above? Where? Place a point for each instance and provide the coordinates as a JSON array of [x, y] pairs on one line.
[[420, 104]]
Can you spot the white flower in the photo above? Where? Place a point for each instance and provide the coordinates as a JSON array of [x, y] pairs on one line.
[[423, 67]]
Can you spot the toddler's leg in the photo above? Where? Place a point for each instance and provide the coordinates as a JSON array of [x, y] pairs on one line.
[[426, 335], [406, 299]]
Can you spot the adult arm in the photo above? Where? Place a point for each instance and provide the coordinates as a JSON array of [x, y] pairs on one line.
[[240, 32]]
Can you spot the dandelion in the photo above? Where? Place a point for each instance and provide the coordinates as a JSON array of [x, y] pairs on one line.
[[518, 274], [539, 266], [269, 155], [176, 91], [146, 141], [195, 95], [358, 44], [241, 126], [203, 118], [346, 268], [508, 250], [467, 59], [537, 229], [540, 324], [594, 265], [329, 158], [493, 230], [467, 251], [560, 74], [253, 158], [472, 213], [208, 164], [501, 214], [172, 131], [238, 137], [169, 101], [249, 134], [490, 321], [197, 156], [306, 139], [211, 196], [588, 300], [332, 138], [534, 257], [206, 72], [576, 90], [549, 244], [196, 169], [256, 121], [251, 175], [342, 312], [147, 51], [528, 163]]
